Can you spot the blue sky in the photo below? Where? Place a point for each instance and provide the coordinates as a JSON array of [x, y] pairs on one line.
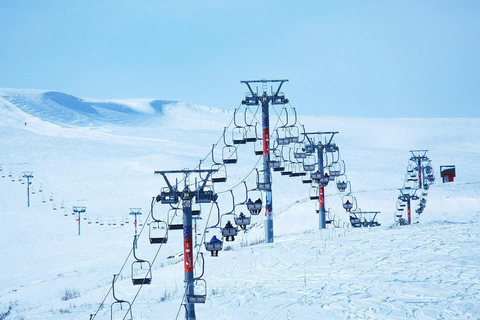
[[346, 58]]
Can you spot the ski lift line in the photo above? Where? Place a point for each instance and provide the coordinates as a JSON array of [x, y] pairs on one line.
[[243, 180], [121, 269]]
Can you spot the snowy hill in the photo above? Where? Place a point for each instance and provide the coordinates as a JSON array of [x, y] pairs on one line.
[[102, 155]]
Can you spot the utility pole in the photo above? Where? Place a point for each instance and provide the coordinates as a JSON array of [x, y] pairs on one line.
[[79, 211], [172, 195], [265, 99], [28, 175], [319, 176], [135, 212]]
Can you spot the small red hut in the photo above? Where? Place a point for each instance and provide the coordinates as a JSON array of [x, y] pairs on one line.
[[447, 173]]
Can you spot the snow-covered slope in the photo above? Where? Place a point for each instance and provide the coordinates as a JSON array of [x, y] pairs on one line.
[[102, 155]]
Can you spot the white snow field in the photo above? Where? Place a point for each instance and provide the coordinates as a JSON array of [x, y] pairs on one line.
[[103, 154]]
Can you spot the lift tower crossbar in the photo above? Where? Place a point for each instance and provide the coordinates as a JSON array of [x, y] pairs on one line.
[[171, 195], [275, 97], [328, 146]]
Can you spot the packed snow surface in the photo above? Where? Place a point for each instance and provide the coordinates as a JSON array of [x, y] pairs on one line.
[[102, 155]]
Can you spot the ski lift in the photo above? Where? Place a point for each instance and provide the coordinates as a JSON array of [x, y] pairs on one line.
[[276, 161], [261, 183], [54, 207], [299, 153], [258, 147], [32, 190], [51, 197], [251, 133], [175, 220], [205, 194], [342, 185], [288, 169], [238, 132], [314, 193], [120, 309], [282, 136], [229, 231], [239, 135], [297, 170], [158, 229], [43, 199], [220, 173], [62, 206], [349, 202], [243, 221], [168, 195], [158, 232], [214, 246], [141, 269], [335, 169], [307, 179], [309, 163], [200, 291], [196, 291], [428, 169], [40, 189], [320, 178], [293, 130], [229, 154]]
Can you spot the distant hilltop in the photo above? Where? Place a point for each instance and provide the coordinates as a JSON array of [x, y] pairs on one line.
[[64, 109]]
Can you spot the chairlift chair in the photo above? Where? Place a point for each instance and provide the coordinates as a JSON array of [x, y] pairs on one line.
[[299, 153], [282, 136], [158, 232], [168, 195], [175, 220], [239, 135], [200, 291], [307, 179], [335, 169], [288, 169], [258, 147], [213, 246], [314, 193], [120, 309], [243, 221], [229, 154], [349, 202], [342, 186], [141, 269], [251, 133], [205, 195], [220, 173], [261, 184]]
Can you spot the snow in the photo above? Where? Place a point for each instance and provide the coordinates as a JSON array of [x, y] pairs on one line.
[[105, 162]]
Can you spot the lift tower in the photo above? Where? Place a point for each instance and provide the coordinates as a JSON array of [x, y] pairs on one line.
[[171, 195], [418, 156], [275, 98], [28, 175], [319, 176], [407, 195]]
